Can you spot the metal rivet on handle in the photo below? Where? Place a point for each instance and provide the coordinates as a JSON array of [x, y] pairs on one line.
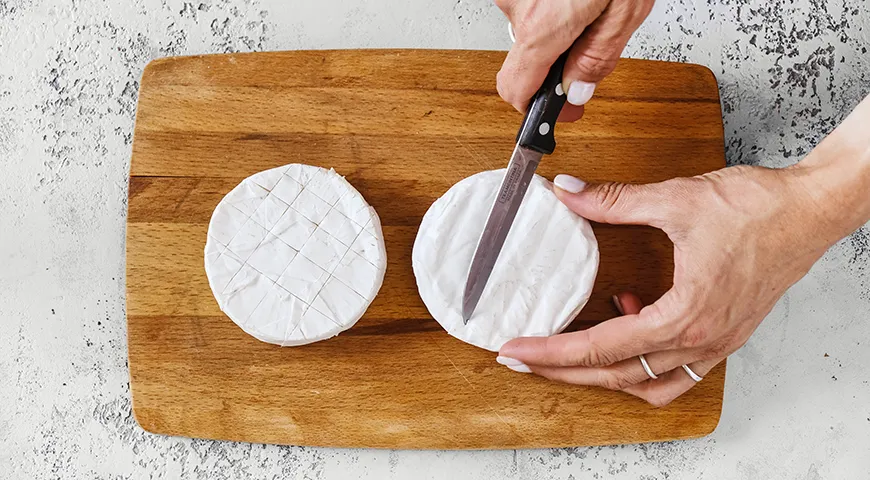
[[559, 90], [544, 128]]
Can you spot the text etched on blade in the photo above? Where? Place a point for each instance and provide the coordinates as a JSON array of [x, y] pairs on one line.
[[510, 183]]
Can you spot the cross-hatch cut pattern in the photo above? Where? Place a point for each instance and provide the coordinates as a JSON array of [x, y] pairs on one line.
[[293, 254]]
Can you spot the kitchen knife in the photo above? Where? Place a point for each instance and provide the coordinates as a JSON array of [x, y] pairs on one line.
[[534, 139]]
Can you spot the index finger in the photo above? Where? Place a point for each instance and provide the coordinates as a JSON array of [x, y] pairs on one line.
[[604, 344], [523, 72], [542, 34]]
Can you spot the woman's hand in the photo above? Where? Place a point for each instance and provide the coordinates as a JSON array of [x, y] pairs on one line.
[[544, 29], [742, 236]]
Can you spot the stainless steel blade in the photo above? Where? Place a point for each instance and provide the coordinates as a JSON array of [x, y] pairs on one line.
[[519, 173]]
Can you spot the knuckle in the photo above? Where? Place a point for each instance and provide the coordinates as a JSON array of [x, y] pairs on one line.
[[579, 349], [595, 67], [505, 88], [613, 381], [609, 194], [593, 357], [694, 336], [596, 355]]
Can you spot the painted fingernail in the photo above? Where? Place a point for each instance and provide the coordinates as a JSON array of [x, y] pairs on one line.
[[521, 369], [618, 305], [513, 364], [569, 184], [508, 361], [580, 92]]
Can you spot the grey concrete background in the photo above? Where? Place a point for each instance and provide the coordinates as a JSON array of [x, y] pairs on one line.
[[789, 70]]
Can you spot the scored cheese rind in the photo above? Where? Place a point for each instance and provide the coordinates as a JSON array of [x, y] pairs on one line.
[[294, 255], [543, 276]]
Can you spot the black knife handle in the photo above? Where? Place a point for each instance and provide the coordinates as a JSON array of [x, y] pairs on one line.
[[536, 132]]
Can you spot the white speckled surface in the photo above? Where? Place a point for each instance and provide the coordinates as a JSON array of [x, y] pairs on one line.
[[788, 71]]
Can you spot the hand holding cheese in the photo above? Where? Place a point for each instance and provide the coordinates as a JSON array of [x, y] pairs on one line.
[[742, 236]]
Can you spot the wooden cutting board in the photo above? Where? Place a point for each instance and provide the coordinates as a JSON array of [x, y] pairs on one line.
[[403, 126]]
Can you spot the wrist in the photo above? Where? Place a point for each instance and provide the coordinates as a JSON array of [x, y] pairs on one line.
[[835, 177]]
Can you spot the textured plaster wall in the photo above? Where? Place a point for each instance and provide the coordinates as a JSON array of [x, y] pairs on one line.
[[789, 70]]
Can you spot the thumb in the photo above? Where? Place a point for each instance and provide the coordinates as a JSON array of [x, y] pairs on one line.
[[597, 51], [616, 203]]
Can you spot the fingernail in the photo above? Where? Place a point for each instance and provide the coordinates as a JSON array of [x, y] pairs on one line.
[[513, 364], [579, 92], [569, 183], [618, 305], [521, 369], [508, 361]]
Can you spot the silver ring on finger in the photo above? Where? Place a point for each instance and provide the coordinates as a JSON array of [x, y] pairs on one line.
[[511, 33], [694, 376], [646, 367]]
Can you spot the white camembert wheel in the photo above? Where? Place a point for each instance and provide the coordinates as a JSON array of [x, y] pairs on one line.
[[543, 276], [294, 255]]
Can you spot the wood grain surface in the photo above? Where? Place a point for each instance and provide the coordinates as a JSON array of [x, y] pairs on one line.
[[403, 126]]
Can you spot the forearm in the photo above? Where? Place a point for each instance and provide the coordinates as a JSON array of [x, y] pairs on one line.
[[835, 176]]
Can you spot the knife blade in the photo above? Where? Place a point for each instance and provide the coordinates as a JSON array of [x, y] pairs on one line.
[[534, 139]]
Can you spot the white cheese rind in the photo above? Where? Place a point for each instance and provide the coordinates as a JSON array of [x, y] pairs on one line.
[[544, 273], [294, 255]]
